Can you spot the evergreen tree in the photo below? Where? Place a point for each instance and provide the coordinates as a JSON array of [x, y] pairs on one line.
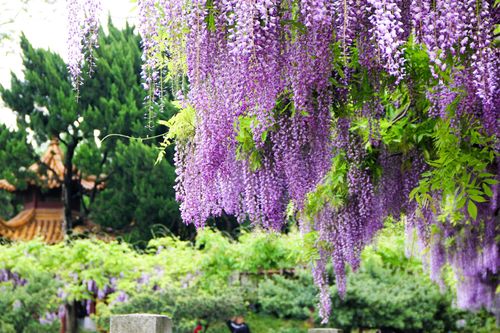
[[15, 154], [140, 198], [110, 102]]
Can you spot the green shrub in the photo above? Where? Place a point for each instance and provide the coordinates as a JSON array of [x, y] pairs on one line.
[[261, 323], [397, 301], [21, 306], [480, 322], [185, 306], [287, 297], [291, 330], [389, 292]]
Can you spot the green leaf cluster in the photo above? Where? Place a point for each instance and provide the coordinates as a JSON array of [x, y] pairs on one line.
[[216, 277], [246, 147]]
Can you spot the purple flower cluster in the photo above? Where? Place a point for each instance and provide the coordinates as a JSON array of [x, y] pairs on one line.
[[48, 318], [461, 28], [347, 229], [485, 64], [473, 252], [95, 293], [387, 33], [7, 276], [248, 60], [122, 297], [321, 280], [74, 42], [149, 27], [83, 28], [346, 20], [241, 67]]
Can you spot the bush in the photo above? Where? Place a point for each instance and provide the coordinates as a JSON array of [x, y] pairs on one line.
[[261, 323], [389, 292], [291, 330], [394, 302], [23, 305], [190, 282], [288, 298], [480, 322], [184, 306]]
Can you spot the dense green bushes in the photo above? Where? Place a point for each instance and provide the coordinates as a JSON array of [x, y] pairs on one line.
[[391, 292], [184, 305], [29, 306], [288, 298], [400, 302], [112, 273], [199, 281]]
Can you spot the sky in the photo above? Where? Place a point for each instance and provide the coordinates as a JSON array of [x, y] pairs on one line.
[[44, 24]]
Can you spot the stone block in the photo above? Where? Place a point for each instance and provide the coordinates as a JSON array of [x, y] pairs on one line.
[[140, 323]]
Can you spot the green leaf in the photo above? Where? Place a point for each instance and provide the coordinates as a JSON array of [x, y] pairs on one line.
[[472, 209], [490, 181], [264, 136], [461, 203], [477, 198], [487, 190]]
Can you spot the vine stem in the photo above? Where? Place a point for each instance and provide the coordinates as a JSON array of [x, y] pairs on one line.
[[133, 137]]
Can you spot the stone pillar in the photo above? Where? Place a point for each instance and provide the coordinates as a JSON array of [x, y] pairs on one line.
[[324, 330], [140, 323]]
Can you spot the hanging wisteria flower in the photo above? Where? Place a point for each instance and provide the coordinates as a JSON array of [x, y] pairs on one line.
[[148, 26], [83, 28], [387, 34], [293, 100]]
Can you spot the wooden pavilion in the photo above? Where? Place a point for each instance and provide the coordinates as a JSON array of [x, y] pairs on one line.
[[43, 212]]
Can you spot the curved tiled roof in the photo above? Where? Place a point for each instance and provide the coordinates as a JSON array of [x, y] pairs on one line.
[[46, 223], [5, 185], [50, 169]]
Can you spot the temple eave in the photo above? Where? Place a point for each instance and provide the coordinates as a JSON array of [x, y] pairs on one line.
[[45, 223], [5, 185]]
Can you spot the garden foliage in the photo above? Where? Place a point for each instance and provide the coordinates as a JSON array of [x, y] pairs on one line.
[[214, 279]]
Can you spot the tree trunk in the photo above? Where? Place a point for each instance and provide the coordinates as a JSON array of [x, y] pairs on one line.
[[68, 186], [71, 322]]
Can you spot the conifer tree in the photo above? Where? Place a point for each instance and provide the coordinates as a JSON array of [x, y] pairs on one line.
[[110, 102]]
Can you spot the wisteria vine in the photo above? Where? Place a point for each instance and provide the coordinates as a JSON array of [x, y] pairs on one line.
[[350, 111], [83, 28]]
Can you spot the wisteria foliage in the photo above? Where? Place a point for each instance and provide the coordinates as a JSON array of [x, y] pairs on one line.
[[349, 112]]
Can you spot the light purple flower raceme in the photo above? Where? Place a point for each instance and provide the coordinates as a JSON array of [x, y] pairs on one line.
[[83, 29], [387, 33]]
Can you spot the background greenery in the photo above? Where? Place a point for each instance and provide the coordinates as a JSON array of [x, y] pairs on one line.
[[265, 276]]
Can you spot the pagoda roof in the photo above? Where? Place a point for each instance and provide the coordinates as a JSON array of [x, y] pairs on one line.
[[50, 170], [31, 223], [5, 185], [47, 224]]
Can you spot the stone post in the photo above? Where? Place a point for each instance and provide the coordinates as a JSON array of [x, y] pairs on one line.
[[324, 330], [140, 323]]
